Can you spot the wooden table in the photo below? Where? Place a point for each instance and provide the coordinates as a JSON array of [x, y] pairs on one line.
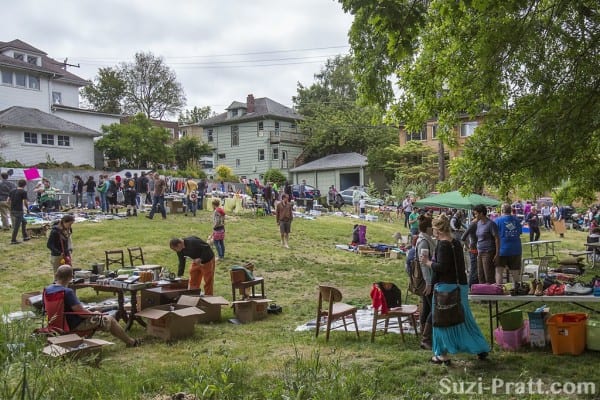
[[547, 244], [495, 312], [128, 317]]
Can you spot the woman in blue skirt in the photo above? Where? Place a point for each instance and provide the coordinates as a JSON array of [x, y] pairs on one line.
[[448, 267]]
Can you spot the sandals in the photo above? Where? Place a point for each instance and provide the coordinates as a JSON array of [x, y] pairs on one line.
[[438, 360]]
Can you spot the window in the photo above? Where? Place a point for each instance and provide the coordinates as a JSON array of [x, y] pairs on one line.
[[30, 137], [235, 135], [261, 126], [468, 128], [434, 129], [56, 98], [7, 77], [420, 135], [47, 139], [275, 154], [64, 140], [34, 82], [19, 56], [234, 113], [221, 156], [32, 60], [20, 79], [261, 155], [237, 162], [293, 126], [209, 135], [277, 127]]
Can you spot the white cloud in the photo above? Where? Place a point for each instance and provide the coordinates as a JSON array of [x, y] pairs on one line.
[[213, 46]]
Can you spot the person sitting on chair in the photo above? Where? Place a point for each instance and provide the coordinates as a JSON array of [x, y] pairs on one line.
[[80, 318]]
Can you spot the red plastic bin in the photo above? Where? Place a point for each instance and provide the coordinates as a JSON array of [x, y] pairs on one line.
[[567, 333]]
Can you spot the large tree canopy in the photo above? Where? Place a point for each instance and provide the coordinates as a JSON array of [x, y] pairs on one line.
[[146, 85], [530, 68], [136, 144], [336, 123]]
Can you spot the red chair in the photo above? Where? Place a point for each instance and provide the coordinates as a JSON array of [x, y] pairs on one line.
[[54, 308]]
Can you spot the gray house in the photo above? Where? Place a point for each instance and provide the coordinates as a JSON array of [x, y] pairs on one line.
[[340, 170], [254, 136]]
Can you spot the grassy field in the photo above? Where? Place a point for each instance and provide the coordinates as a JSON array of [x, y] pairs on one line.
[[267, 359]]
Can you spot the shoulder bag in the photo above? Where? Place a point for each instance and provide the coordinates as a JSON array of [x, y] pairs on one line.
[[448, 309]]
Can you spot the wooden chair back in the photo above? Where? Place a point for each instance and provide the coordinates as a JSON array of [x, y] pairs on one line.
[[135, 254], [114, 257]]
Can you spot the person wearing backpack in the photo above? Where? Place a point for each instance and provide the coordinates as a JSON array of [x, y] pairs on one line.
[[425, 245]]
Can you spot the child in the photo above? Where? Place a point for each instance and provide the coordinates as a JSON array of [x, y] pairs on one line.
[[362, 204]]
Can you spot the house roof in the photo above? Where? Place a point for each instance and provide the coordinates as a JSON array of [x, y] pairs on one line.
[[34, 119], [263, 108], [82, 110], [49, 66], [334, 161]]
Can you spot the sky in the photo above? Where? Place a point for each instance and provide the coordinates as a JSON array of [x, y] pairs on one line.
[[220, 50]]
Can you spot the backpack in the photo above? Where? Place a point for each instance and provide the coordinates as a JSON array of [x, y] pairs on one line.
[[416, 281]]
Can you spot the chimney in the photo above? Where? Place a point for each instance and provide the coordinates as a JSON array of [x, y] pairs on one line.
[[250, 103]]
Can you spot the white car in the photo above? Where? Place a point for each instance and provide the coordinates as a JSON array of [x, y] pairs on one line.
[[347, 196]]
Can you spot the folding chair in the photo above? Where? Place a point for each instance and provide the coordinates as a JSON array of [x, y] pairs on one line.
[[136, 253], [54, 308], [114, 257], [380, 294], [332, 309]]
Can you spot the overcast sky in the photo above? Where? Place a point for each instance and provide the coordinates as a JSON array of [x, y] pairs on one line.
[[221, 50]]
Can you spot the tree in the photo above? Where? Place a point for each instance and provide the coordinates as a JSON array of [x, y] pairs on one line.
[[188, 150], [225, 174], [414, 162], [106, 93], [136, 144], [276, 176], [195, 115], [335, 122], [529, 67]]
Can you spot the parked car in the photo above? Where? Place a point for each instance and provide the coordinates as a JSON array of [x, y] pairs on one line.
[[310, 192], [347, 196]]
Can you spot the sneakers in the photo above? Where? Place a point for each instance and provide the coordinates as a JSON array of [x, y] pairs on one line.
[[578, 289], [26, 238], [520, 289], [533, 288], [15, 242]]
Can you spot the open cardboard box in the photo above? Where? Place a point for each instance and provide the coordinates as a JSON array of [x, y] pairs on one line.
[[211, 305], [172, 321], [73, 345], [251, 310]]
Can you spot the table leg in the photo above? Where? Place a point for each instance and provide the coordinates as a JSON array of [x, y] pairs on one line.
[[132, 314], [121, 312]]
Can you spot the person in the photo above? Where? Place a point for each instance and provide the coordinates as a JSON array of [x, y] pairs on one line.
[[102, 188], [560, 223], [534, 224], [191, 196], [331, 197], [268, 197], [201, 192], [46, 196], [284, 217], [425, 244], [158, 197], [6, 187], [90, 192], [78, 191], [219, 228], [469, 237], [287, 189], [509, 232], [203, 261], [129, 193], [79, 318], [362, 205], [406, 209], [488, 245], [302, 190], [413, 222], [355, 200], [546, 217], [59, 242], [448, 270], [456, 225], [141, 191], [17, 201]]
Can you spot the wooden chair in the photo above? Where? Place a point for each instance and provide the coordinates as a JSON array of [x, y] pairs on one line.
[[382, 313], [136, 253], [332, 309], [240, 281], [114, 257]]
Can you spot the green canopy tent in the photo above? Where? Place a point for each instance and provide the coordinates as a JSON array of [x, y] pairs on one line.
[[456, 200]]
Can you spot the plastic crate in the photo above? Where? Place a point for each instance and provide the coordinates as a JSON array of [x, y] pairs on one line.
[[567, 333], [512, 340], [593, 335], [512, 320]]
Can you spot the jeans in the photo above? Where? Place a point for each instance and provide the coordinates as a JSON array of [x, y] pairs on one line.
[[406, 215], [78, 199], [18, 221], [200, 200], [473, 278], [220, 246], [91, 200], [103, 202], [190, 205], [534, 234], [158, 201]]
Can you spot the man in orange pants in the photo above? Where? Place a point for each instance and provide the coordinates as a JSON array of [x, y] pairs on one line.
[[203, 261]]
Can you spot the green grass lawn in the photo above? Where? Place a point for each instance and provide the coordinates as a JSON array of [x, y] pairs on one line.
[[267, 359]]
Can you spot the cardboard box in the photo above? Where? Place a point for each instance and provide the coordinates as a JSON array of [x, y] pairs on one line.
[[211, 305], [251, 310], [73, 345], [172, 321], [31, 300], [158, 296]]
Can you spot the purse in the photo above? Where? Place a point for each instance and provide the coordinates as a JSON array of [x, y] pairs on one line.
[[448, 309]]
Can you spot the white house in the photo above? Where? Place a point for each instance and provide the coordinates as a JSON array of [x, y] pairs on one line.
[[40, 118]]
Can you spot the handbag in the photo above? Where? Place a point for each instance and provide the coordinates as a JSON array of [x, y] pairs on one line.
[[448, 306]]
